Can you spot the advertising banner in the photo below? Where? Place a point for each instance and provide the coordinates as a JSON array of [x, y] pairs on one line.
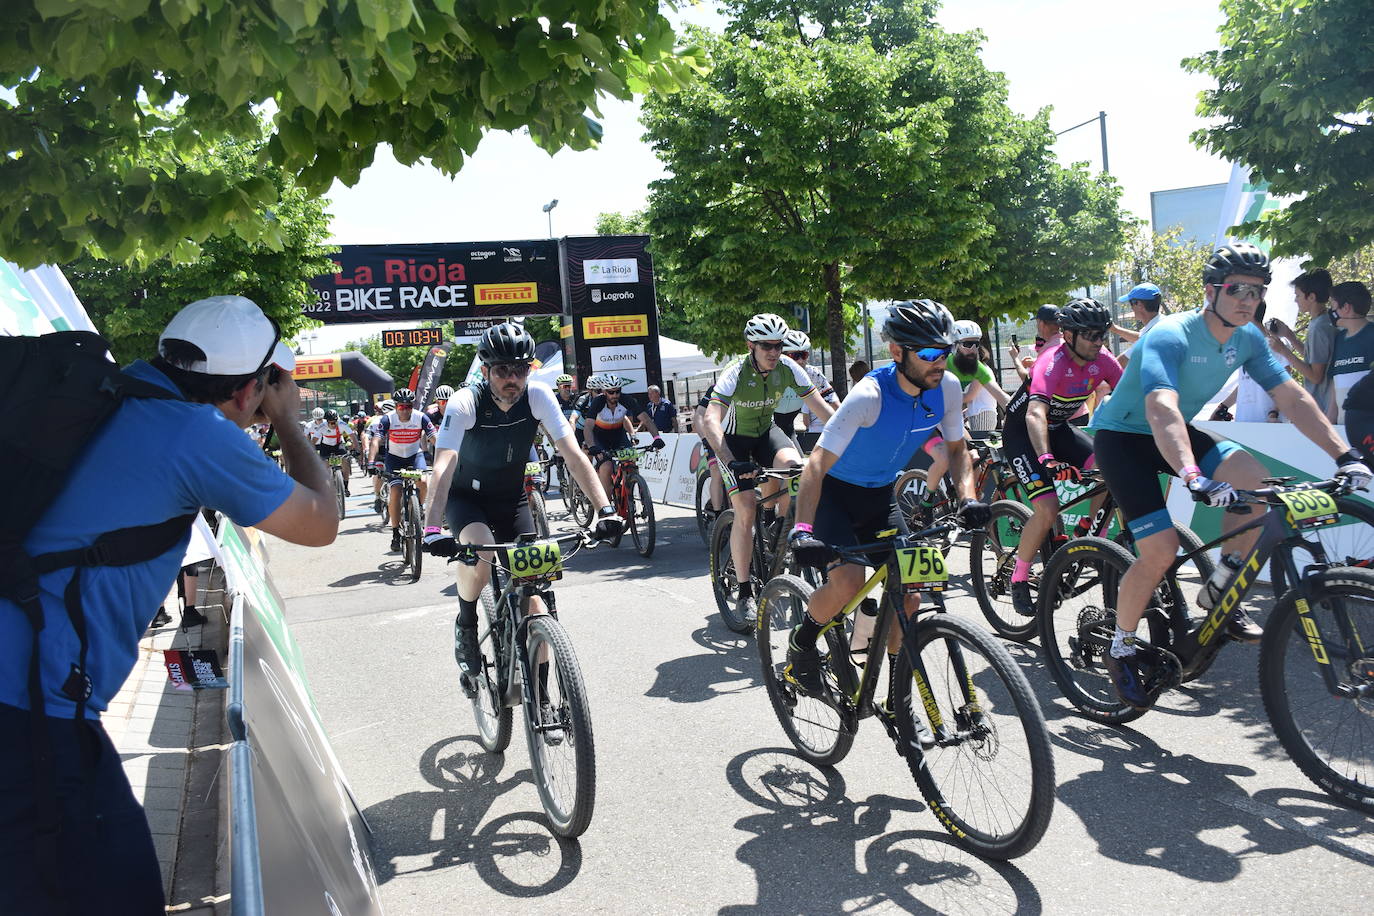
[[451, 280], [655, 467], [612, 312], [682, 477], [430, 370]]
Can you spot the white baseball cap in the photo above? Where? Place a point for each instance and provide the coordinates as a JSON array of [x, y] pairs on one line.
[[237, 338]]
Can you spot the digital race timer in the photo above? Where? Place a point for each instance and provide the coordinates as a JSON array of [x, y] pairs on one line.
[[413, 337]]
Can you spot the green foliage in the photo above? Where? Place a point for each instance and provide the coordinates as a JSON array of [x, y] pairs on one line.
[[842, 152], [131, 304], [672, 318], [1169, 261], [1293, 102], [1357, 265], [108, 105]]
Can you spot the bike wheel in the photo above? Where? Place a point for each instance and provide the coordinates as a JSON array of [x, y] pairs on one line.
[[992, 557], [1350, 543], [723, 582], [1330, 738], [540, 513], [706, 516], [494, 718], [562, 752], [989, 773], [908, 491], [1076, 616], [414, 534], [641, 506], [338, 479], [821, 728], [579, 506]]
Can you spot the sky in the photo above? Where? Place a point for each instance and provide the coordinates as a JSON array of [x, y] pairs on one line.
[[1078, 57]]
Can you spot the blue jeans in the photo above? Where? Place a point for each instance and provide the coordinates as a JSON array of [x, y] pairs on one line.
[[106, 859]]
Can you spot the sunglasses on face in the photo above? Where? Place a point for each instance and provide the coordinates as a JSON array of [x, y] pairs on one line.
[[797, 355], [1092, 336], [1242, 290], [510, 370], [929, 354], [772, 345], [615, 391], [968, 345], [404, 406]]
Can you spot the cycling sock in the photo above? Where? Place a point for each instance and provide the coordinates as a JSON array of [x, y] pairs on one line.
[[805, 635], [1022, 571], [746, 589], [467, 613], [1123, 643]]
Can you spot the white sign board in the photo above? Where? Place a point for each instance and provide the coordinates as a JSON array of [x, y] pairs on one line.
[[626, 360]]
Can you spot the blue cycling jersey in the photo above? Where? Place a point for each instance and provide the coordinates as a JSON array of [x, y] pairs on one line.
[[1181, 354]]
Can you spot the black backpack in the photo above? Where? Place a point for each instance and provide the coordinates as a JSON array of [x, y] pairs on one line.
[[59, 389]]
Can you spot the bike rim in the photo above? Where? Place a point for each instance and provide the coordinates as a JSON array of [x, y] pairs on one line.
[[558, 760], [1079, 622], [814, 724]]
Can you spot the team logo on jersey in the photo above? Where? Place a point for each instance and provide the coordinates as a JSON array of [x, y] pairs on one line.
[[1093, 369], [1229, 356]]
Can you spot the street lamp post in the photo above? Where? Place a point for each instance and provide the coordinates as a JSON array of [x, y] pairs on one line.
[[1101, 120], [548, 211]]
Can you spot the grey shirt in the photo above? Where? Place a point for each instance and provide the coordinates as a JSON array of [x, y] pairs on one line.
[[1321, 345]]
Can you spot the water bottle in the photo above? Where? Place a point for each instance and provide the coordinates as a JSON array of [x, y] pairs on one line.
[[865, 621], [1207, 597]]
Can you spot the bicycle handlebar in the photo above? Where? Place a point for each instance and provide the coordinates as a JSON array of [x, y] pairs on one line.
[[1336, 486], [889, 545]]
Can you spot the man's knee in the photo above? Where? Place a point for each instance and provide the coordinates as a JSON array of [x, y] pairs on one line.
[[1157, 551], [1241, 469]]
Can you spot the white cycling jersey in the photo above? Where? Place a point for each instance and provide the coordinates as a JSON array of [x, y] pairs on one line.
[[403, 437], [314, 431]]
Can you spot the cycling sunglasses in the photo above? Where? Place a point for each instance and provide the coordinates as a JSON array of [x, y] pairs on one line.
[[1091, 336], [1242, 290], [968, 345], [510, 370], [800, 354], [768, 344], [929, 354]]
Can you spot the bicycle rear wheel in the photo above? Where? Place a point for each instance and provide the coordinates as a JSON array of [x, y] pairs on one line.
[[1330, 738], [414, 533], [820, 728], [705, 514], [641, 512], [540, 513], [992, 557], [989, 772], [908, 491], [724, 586], [561, 745], [494, 718]]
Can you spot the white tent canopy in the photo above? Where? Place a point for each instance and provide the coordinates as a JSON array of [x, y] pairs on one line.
[[680, 359]]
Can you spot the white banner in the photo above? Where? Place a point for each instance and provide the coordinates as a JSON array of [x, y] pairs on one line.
[[682, 480], [655, 466]]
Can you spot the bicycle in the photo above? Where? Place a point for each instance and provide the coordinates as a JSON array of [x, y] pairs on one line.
[[706, 513], [769, 557], [1317, 652], [336, 475], [412, 522], [992, 552], [579, 505], [514, 648], [992, 479], [970, 727], [630, 496], [536, 482]]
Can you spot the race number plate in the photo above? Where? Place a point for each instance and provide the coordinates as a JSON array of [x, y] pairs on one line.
[[794, 485], [923, 568], [627, 454], [533, 469], [1310, 508], [540, 560]]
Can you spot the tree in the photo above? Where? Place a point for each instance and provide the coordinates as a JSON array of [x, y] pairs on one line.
[[672, 320], [842, 152], [131, 304], [1293, 103], [109, 104], [1169, 261]]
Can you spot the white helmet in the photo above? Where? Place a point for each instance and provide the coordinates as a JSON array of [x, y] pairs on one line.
[[967, 330], [614, 381], [388, 406], [443, 393], [765, 326], [796, 341], [317, 413]]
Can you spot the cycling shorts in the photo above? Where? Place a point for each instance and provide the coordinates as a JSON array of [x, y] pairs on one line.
[[612, 439], [1067, 443], [848, 515], [1130, 462], [762, 450], [329, 451], [508, 516], [1359, 428], [393, 463]]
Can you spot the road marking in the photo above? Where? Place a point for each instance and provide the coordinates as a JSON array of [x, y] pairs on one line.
[[349, 731], [663, 591], [1356, 848], [414, 612]]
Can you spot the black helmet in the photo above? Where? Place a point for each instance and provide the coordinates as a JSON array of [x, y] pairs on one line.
[[331, 416], [1085, 315], [505, 343], [919, 323], [404, 396], [1237, 258]]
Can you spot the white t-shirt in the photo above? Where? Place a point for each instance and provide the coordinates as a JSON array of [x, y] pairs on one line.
[[1253, 403], [315, 429], [1126, 350]]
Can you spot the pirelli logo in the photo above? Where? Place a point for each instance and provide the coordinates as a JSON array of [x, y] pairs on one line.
[[616, 326], [497, 293], [318, 367]]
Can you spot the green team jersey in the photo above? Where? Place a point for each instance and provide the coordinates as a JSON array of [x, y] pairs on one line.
[[750, 398]]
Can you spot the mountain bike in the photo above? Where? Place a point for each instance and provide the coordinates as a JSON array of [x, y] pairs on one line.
[[992, 552], [579, 505], [336, 476], [630, 496], [1316, 664], [992, 479], [706, 512], [769, 555], [960, 712], [412, 521], [536, 482], [528, 661]]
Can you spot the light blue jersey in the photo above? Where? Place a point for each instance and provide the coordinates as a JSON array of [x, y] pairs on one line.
[[1181, 354]]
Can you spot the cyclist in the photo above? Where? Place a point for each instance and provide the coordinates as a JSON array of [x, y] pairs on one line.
[[739, 426], [479, 484], [315, 426], [608, 426], [369, 459], [336, 439], [402, 434], [717, 497], [1144, 430], [1041, 444], [797, 347], [567, 396], [846, 488]]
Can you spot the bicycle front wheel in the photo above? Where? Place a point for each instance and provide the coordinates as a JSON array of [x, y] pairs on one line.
[[558, 727], [992, 558], [820, 728], [974, 738], [724, 584], [579, 506], [540, 513], [641, 512], [414, 536], [908, 492], [1349, 543], [1330, 631], [494, 718], [339, 493]]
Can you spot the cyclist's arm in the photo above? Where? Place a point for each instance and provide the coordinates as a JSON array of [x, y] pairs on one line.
[[961, 467], [1170, 428], [998, 395], [818, 463], [819, 407], [714, 433], [1302, 411], [1038, 425], [581, 468], [445, 461], [972, 392]]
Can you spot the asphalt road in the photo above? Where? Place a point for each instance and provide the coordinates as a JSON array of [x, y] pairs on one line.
[[701, 807]]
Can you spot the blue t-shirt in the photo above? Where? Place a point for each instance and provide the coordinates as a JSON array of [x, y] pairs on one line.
[[153, 460], [1181, 354]]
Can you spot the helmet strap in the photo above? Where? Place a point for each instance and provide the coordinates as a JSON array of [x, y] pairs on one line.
[[1216, 301], [1073, 346]]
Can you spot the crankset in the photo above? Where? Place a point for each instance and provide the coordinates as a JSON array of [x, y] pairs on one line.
[[1160, 668], [1096, 626]]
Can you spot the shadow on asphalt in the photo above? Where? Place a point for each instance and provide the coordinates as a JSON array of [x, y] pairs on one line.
[[515, 854], [391, 572], [808, 836], [731, 666]]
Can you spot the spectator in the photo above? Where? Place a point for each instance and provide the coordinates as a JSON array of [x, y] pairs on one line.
[[1046, 335], [154, 463], [1353, 355], [1252, 403], [857, 370], [1147, 304], [1311, 292], [662, 411]]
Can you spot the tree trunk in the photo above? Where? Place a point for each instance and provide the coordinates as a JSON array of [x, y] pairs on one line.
[[834, 329]]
